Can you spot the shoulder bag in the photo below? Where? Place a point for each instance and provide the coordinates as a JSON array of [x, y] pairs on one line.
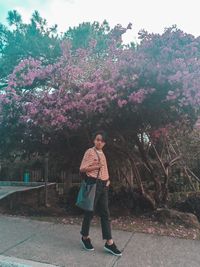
[[86, 194]]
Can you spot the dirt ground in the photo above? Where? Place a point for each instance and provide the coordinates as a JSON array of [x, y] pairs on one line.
[[135, 223]]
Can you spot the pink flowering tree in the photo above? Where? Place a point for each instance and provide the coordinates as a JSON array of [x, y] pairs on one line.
[[140, 95]]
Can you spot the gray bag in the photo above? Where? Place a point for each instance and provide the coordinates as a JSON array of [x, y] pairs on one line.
[[86, 194]]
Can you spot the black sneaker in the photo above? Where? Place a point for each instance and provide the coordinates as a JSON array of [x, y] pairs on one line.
[[87, 243], [112, 249]]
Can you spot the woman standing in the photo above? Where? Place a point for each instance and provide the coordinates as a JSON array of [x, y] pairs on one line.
[[90, 165]]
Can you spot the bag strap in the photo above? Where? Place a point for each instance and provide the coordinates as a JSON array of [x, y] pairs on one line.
[[99, 161]]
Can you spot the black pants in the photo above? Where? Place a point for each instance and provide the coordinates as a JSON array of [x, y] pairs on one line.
[[101, 208]]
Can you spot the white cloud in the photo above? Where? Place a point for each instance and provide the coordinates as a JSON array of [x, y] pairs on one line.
[[25, 13], [152, 15]]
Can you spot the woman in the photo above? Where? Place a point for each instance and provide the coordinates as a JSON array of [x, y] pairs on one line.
[[90, 165]]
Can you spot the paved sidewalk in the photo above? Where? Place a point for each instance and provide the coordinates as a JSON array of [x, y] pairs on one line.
[[30, 243]]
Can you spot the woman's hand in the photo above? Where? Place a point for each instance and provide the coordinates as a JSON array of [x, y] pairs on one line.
[[108, 183], [97, 165]]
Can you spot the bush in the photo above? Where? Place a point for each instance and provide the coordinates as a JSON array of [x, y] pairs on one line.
[[191, 204]]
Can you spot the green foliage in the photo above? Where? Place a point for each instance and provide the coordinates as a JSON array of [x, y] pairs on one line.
[[82, 35], [23, 40]]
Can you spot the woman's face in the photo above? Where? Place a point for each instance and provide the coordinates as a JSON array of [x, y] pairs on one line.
[[98, 141]]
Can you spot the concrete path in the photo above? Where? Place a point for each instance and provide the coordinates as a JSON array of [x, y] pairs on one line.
[[30, 243]]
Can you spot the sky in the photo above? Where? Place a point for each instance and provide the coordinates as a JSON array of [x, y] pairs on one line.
[[151, 15]]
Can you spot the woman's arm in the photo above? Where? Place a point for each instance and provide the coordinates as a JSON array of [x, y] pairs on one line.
[[91, 168], [87, 163]]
